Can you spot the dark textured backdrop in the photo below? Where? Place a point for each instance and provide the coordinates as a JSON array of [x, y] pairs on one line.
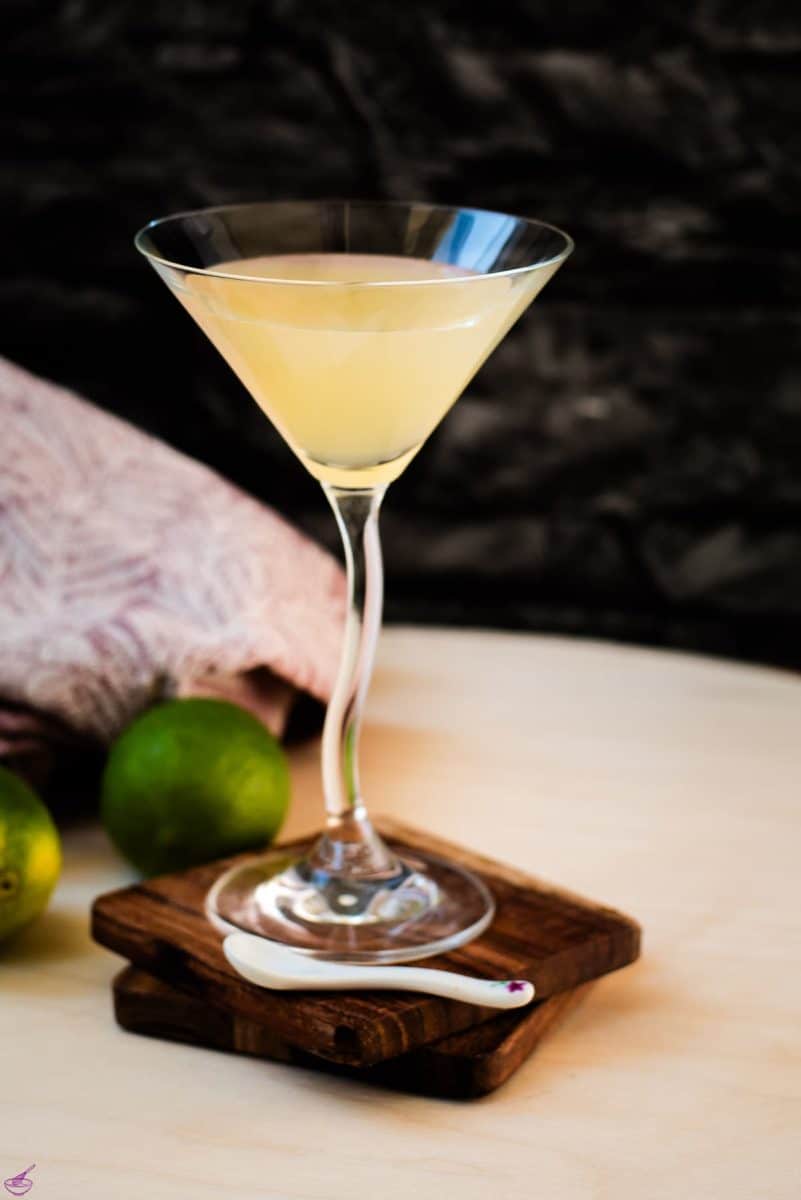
[[628, 463]]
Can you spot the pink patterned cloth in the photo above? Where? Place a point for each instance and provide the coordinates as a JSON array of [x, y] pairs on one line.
[[129, 573]]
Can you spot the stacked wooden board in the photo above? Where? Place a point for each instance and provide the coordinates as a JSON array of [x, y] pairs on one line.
[[180, 986]]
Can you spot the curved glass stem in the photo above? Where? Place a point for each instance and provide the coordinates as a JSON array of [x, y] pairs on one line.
[[350, 845]]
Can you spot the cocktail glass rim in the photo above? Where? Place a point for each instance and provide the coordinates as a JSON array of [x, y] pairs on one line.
[[473, 277]]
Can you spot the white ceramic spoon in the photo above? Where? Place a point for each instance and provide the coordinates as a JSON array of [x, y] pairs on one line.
[[272, 966]]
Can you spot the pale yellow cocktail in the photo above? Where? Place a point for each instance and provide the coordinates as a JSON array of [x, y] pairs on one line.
[[354, 378]]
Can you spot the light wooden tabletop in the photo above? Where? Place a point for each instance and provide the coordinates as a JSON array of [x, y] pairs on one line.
[[665, 785]]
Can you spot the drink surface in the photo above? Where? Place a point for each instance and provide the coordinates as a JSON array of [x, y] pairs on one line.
[[354, 376]]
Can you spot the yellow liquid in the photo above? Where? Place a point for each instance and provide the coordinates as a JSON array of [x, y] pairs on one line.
[[354, 377]]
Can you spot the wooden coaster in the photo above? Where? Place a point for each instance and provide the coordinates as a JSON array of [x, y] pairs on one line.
[[539, 933], [462, 1066]]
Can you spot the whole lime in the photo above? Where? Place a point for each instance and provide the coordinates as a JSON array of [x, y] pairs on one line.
[[30, 854], [192, 780]]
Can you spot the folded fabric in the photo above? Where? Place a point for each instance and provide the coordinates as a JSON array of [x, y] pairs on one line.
[[130, 573]]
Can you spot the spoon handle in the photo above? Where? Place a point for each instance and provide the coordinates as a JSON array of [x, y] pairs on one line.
[[490, 993]]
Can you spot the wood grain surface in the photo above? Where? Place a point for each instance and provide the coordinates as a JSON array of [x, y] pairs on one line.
[[540, 933], [666, 784]]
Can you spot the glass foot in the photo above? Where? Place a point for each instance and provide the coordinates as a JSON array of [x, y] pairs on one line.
[[425, 906]]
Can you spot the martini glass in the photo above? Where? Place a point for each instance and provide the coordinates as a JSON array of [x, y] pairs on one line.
[[355, 327]]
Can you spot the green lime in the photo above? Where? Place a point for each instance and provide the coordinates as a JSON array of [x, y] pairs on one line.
[[190, 781], [30, 854]]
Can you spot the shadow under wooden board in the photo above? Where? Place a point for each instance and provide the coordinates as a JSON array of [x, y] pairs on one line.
[[462, 1066], [540, 933]]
